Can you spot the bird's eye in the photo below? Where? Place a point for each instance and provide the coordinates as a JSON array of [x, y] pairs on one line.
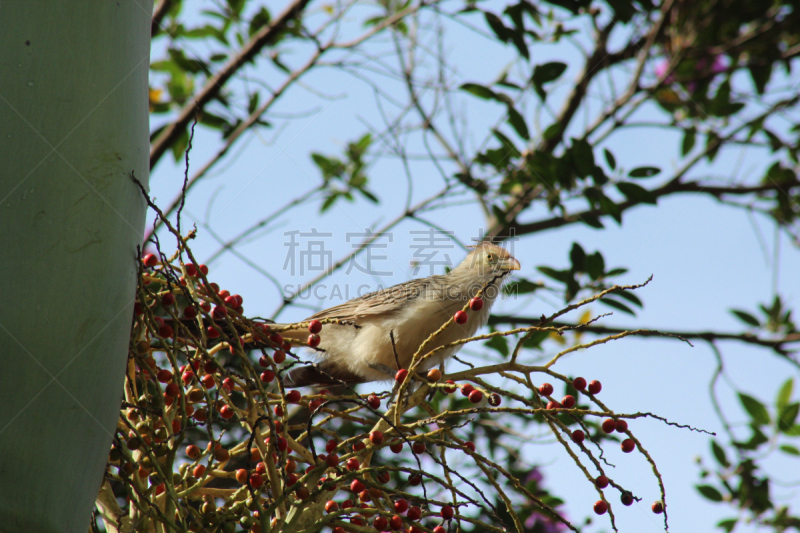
[[490, 257]]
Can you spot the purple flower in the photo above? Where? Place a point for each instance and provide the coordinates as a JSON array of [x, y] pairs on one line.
[[661, 70]]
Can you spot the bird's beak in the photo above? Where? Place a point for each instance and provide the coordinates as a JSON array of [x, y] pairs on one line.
[[509, 264]]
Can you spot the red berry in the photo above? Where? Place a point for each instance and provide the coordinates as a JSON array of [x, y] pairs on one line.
[[205, 306], [313, 340], [293, 396], [332, 460], [414, 479], [241, 476], [600, 507], [601, 482], [165, 331], [193, 452], [376, 438], [223, 294], [470, 446], [495, 400], [568, 401], [226, 412], [475, 396], [208, 381], [315, 326], [278, 410], [281, 444], [578, 436], [449, 390], [357, 485], [331, 506], [545, 389], [447, 512], [164, 376], [553, 405], [239, 299], [219, 312], [395, 523], [401, 375], [466, 389], [460, 317], [159, 321], [256, 480], [380, 523], [276, 338], [313, 405], [204, 269], [191, 270], [331, 445], [352, 464], [199, 470], [622, 426], [291, 479], [609, 425], [657, 507], [396, 446], [232, 302], [172, 390], [383, 477], [279, 356], [579, 384], [439, 529], [212, 332], [400, 506], [264, 361], [373, 401], [418, 447], [476, 304], [267, 376], [434, 375], [347, 504], [359, 445], [628, 445], [168, 299], [595, 386], [190, 312], [150, 260], [414, 513], [626, 498]]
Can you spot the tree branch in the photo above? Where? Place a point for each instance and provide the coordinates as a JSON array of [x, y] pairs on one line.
[[214, 84]]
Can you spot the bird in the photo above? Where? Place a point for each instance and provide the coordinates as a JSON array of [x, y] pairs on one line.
[[372, 336]]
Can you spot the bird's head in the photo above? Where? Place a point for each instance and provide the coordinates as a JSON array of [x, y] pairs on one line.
[[487, 260]]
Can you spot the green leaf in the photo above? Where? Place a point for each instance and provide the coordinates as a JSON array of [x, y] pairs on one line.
[[506, 142], [761, 75], [728, 524], [612, 163], [593, 221], [582, 157], [793, 431], [522, 286], [545, 73], [480, 91], [616, 272], [636, 193], [551, 131], [329, 200], [689, 137], [719, 453], [518, 123], [578, 258], [745, 317], [500, 344], [791, 450], [617, 305], [632, 298], [709, 492], [179, 146], [499, 29], [786, 416], [559, 275], [785, 393], [595, 265], [757, 411], [643, 172]]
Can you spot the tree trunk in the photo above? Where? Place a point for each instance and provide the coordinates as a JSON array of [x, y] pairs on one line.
[[73, 126]]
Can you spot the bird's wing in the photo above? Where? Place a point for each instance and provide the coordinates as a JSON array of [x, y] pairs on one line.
[[387, 300]]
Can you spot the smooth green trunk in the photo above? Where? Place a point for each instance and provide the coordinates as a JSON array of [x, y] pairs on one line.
[[73, 125]]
